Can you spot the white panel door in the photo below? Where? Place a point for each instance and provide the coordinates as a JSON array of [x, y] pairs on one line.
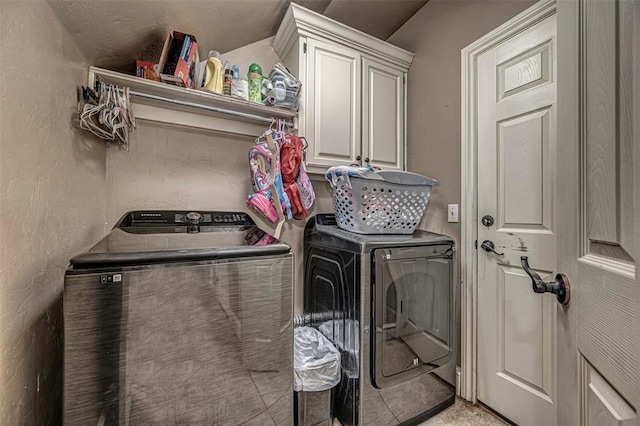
[[516, 187], [383, 130], [598, 183], [333, 104]]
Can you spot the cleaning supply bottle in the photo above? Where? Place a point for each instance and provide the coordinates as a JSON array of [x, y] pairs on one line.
[[255, 82], [228, 76], [214, 73]]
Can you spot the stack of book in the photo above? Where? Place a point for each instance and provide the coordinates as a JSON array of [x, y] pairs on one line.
[[178, 59]]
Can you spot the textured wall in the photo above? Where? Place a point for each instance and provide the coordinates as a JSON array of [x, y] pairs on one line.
[[52, 186], [169, 167], [437, 34], [260, 52], [109, 34]]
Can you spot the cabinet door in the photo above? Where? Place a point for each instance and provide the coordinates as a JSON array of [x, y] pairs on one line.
[[383, 104], [333, 105]]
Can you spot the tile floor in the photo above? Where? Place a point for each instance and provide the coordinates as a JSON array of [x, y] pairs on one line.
[[463, 413]]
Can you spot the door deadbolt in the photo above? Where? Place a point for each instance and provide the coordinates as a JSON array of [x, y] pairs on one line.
[[487, 220]]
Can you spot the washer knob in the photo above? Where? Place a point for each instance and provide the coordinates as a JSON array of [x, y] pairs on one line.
[[194, 217]]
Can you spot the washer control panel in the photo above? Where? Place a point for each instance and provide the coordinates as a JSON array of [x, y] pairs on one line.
[[184, 221]]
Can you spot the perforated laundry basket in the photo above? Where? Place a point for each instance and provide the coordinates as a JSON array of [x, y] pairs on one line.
[[379, 202]]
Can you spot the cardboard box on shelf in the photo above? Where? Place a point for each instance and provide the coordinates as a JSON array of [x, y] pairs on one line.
[[147, 70], [178, 59]]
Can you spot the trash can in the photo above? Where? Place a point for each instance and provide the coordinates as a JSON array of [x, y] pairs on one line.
[[316, 366]]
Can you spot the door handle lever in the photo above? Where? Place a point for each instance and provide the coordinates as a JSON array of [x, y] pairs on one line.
[[560, 287], [488, 246]]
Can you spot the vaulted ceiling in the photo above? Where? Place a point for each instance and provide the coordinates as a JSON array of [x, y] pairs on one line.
[[111, 33]]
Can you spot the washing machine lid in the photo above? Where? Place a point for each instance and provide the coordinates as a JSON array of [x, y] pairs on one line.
[[143, 237]]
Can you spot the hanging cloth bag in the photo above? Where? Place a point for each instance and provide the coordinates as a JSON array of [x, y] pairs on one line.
[[262, 199], [297, 184]]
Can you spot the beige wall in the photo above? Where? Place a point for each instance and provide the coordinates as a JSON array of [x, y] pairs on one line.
[[437, 34], [52, 186]]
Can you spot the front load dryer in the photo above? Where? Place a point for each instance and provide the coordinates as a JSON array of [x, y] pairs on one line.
[[386, 303]]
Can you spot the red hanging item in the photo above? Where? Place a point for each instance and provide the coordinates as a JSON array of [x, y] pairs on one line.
[[295, 180], [290, 158]]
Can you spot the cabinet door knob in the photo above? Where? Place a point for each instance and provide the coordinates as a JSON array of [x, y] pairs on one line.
[[358, 158], [366, 160]]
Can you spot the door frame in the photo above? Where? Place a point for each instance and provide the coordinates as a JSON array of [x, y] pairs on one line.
[[469, 196], [636, 139]]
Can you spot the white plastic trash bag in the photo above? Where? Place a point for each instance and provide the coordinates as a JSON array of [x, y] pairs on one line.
[[316, 362], [345, 333]]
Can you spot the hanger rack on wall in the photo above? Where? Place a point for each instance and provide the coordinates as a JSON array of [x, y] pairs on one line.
[[164, 103]]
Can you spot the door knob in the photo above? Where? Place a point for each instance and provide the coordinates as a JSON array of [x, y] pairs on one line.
[[488, 246], [560, 287], [366, 160]]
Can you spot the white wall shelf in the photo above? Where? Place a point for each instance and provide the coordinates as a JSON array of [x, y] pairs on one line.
[[165, 103]]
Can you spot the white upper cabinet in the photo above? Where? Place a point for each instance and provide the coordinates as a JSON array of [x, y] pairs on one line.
[[333, 104], [383, 116], [353, 98]]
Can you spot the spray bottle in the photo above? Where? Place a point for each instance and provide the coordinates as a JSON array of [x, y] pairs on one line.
[[255, 82], [228, 76]]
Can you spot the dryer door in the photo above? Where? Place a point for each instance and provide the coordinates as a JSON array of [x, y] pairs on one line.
[[412, 312]]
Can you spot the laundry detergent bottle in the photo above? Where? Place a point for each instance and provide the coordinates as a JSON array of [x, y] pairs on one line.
[[255, 82], [214, 73]]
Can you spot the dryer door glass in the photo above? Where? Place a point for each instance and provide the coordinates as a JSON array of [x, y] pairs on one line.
[[413, 311]]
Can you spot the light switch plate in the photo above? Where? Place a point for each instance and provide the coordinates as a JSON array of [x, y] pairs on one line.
[[452, 215]]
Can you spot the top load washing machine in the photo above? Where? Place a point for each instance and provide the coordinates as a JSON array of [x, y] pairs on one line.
[[386, 302], [179, 318]]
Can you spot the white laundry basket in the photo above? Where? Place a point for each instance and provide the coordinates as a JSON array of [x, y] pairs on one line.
[[369, 201]]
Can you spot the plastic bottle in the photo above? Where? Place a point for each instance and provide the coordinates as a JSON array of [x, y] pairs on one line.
[[228, 76], [239, 88], [214, 73], [255, 82]]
